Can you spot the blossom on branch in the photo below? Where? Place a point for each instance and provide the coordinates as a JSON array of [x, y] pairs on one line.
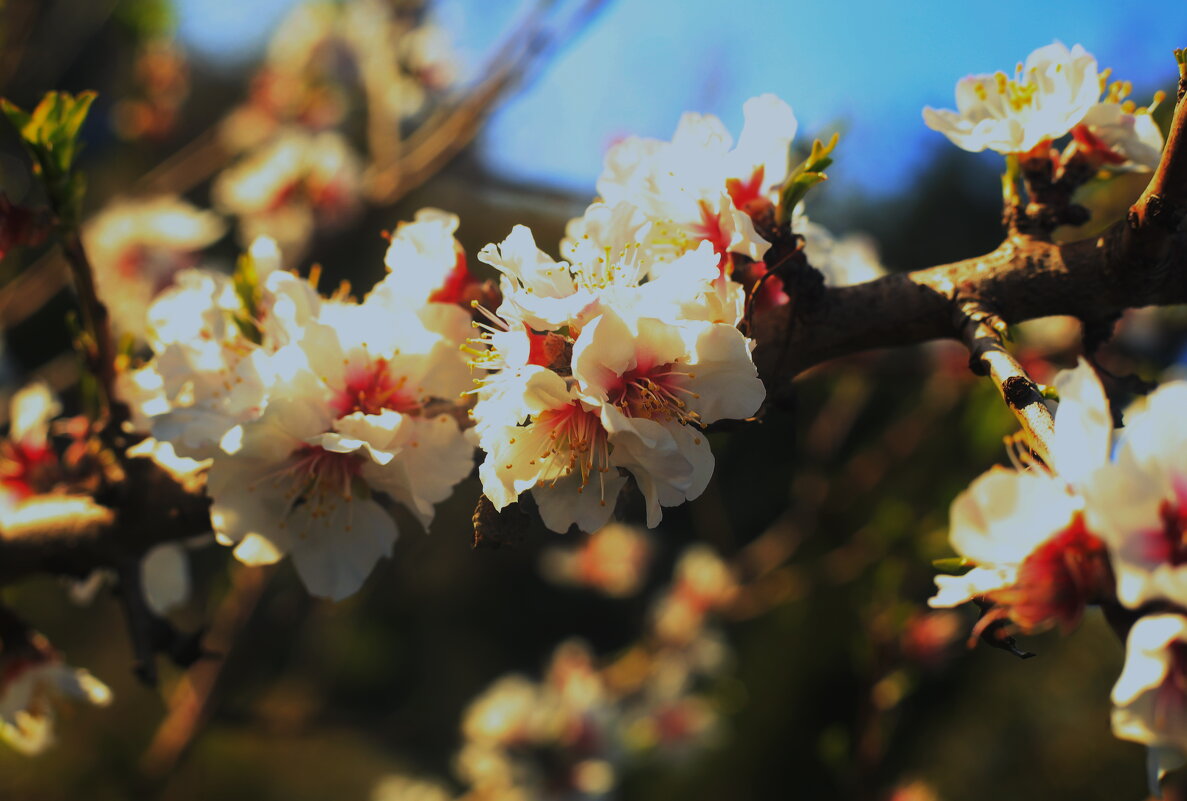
[[1140, 501], [596, 373], [700, 187], [1035, 555], [1047, 96], [350, 418]]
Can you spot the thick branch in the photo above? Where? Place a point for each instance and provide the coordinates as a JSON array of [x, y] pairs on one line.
[[1140, 261], [1021, 280], [73, 535]]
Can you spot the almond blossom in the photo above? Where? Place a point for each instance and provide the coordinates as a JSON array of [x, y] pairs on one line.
[[1118, 135], [214, 345], [1140, 501], [1025, 531], [700, 187], [352, 419], [289, 187], [1047, 96], [33, 680], [1150, 696], [137, 247], [428, 275], [636, 392]]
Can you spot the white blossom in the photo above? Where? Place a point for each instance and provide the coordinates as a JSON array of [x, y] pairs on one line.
[[1005, 515], [1139, 501], [1047, 96], [290, 186], [1150, 696], [33, 680], [352, 420], [136, 248]]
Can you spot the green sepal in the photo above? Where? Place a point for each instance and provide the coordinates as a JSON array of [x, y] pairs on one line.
[[246, 282]]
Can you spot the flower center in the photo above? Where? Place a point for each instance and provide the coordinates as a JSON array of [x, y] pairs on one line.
[[371, 388], [317, 479], [1171, 698], [710, 229], [26, 469], [575, 443], [655, 392], [1174, 532], [1058, 580]]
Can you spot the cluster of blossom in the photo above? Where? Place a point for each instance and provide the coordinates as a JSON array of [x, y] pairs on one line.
[[321, 48], [570, 734], [1104, 522], [613, 361], [298, 173], [308, 407], [306, 415], [1056, 92]]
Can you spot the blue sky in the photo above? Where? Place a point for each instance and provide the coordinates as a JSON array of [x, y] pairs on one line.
[[863, 66]]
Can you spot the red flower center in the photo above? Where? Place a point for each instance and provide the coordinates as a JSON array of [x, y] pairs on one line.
[[654, 391], [371, 388]]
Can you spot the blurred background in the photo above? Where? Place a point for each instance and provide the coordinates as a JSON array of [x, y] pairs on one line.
[[815, 670]]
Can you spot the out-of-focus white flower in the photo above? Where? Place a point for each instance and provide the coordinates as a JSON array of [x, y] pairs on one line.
[[407, 788], [136, 248], [299, 479], [1122, 136], [32, 682], [504, 714], [851, 259], [28, 464], [701, 584], [399, 65], [1017, 526], [1048, 95], [1150, 696], [287, 188], [1139, 501], [612, 560]]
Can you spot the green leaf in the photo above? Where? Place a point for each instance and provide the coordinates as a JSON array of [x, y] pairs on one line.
[[804, 176], [50, 134], [953, 565]]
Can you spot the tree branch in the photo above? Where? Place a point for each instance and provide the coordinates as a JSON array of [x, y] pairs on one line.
[[982, 334], [1140, 261], [72, 535]]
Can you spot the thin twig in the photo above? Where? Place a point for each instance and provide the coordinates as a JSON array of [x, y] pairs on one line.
[[982, 334], [192, 701]]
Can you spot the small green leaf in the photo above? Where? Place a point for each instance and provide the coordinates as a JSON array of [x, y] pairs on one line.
[[50, 134], [246, 281], [804, 176], [953, 565]]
